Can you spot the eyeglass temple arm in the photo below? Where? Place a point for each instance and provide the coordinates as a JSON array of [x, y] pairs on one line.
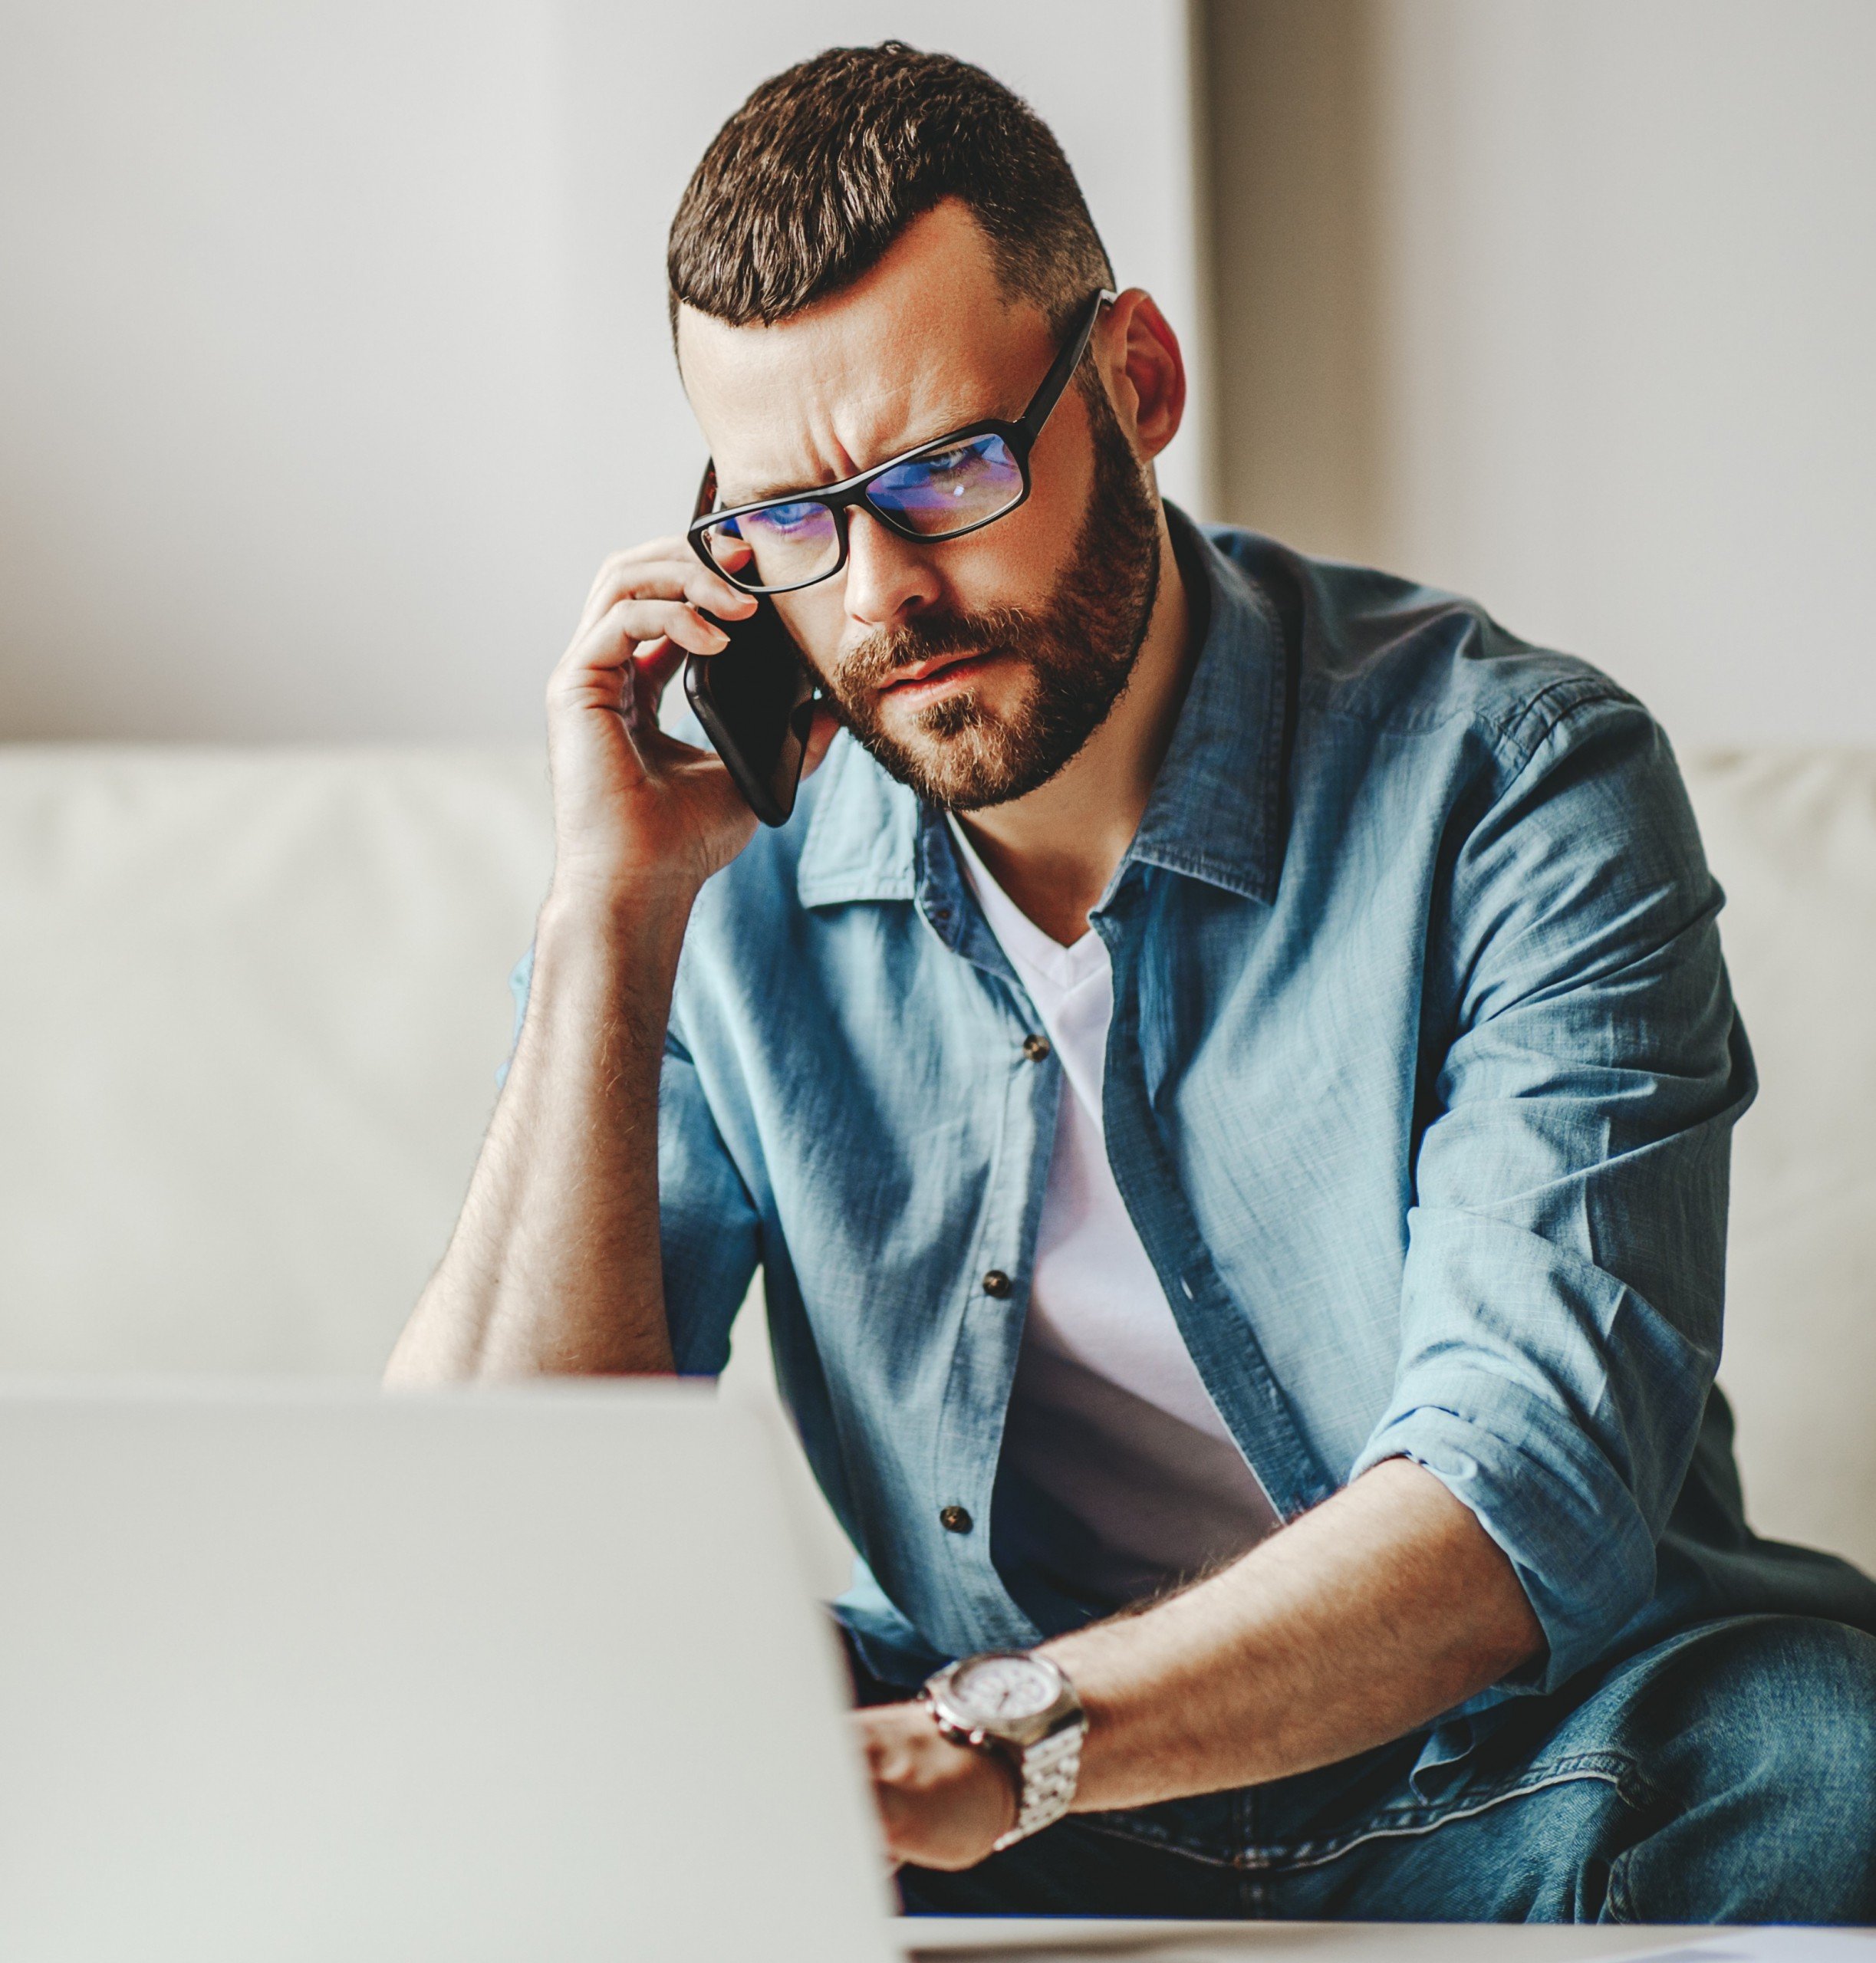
[[1045, 398]]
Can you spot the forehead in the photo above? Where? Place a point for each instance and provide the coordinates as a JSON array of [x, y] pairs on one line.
[[926, 341]]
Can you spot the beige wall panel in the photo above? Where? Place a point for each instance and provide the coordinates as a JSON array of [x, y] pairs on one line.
[[1289, 122], [1566, 303]]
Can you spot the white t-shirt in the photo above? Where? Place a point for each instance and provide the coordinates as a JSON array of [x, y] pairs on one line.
[[1126, 1465]]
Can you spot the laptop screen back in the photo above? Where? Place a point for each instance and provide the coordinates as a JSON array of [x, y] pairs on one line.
[[319, 1674]]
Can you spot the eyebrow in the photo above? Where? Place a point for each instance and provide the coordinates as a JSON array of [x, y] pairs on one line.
[[788, 490], [782, 490]]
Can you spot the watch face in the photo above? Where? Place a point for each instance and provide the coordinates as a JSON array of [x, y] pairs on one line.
[[990, 1690]]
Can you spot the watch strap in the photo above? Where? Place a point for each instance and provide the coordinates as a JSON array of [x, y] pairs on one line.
[[1048, 1772]]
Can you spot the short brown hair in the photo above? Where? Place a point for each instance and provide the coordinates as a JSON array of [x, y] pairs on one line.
[[809, 182]]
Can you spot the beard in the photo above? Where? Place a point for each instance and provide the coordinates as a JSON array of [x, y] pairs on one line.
[[1079, 649]]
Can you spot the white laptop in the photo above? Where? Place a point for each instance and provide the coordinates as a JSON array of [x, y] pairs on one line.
[[327, 1674]]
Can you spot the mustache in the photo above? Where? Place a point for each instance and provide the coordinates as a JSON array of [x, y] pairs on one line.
[[872, 662]]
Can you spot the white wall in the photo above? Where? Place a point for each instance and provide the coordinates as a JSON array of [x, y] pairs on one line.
[[332, 343], [1628, 308]]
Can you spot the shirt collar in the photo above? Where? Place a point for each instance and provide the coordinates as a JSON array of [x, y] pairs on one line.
[[1218, 810]]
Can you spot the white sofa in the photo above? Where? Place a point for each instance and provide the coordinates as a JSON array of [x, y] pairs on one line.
[[253, 1000]]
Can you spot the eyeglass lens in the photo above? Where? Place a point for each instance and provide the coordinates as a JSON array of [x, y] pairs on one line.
[[781, 545], [950, 489], [935, 496]]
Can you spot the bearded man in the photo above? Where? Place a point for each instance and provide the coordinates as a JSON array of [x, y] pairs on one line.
[[1227, 1076]]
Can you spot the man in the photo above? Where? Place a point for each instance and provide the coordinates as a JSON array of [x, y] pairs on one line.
[[1227, 1076]]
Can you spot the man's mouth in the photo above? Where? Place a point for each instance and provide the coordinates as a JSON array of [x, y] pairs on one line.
[[930, 677]]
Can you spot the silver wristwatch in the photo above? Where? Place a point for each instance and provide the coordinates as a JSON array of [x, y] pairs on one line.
[[1023, 1708]]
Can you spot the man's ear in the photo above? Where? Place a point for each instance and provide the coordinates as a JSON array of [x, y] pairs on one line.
[[1146, 373]]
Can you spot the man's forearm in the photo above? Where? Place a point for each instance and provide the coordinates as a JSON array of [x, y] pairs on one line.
[[1386, 1605], [554, 1265]]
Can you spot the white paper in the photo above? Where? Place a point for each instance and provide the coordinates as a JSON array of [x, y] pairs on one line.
[[1767, 1945]]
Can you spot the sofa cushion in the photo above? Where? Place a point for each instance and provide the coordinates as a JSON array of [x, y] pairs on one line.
[[253, 1003], [1792, 837]]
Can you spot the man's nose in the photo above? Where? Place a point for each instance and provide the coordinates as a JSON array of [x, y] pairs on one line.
[[888, 577]]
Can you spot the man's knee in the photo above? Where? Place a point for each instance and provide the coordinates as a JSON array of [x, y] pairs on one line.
[[1766, 1763], [1796, 1710]]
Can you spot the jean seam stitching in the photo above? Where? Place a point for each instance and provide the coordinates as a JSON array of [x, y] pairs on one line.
[[1308, 1855], [1610, 1768]]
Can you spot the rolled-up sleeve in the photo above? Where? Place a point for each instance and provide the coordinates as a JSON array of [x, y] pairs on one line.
[[1561, 1297]]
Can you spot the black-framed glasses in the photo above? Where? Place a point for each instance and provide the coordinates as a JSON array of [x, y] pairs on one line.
[[942, 489]]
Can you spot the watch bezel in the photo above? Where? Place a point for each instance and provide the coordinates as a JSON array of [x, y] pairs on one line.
[[964, 1726]]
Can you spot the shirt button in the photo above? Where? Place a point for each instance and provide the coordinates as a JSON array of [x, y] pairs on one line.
[[954, 1519], [996, 1283], [1035, 1047]]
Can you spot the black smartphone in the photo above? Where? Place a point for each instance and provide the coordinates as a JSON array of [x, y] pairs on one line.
[[756, 702]]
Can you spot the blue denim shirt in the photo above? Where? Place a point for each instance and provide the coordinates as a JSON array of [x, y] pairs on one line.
[[1419, 1083]]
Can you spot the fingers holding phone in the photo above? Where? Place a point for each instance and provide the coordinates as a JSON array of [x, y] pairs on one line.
[[632, 806]]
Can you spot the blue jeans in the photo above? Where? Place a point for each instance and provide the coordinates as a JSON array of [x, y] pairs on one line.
[[1727, 1775]]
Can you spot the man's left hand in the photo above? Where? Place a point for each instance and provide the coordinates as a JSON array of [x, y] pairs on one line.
[[940, 1805]]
